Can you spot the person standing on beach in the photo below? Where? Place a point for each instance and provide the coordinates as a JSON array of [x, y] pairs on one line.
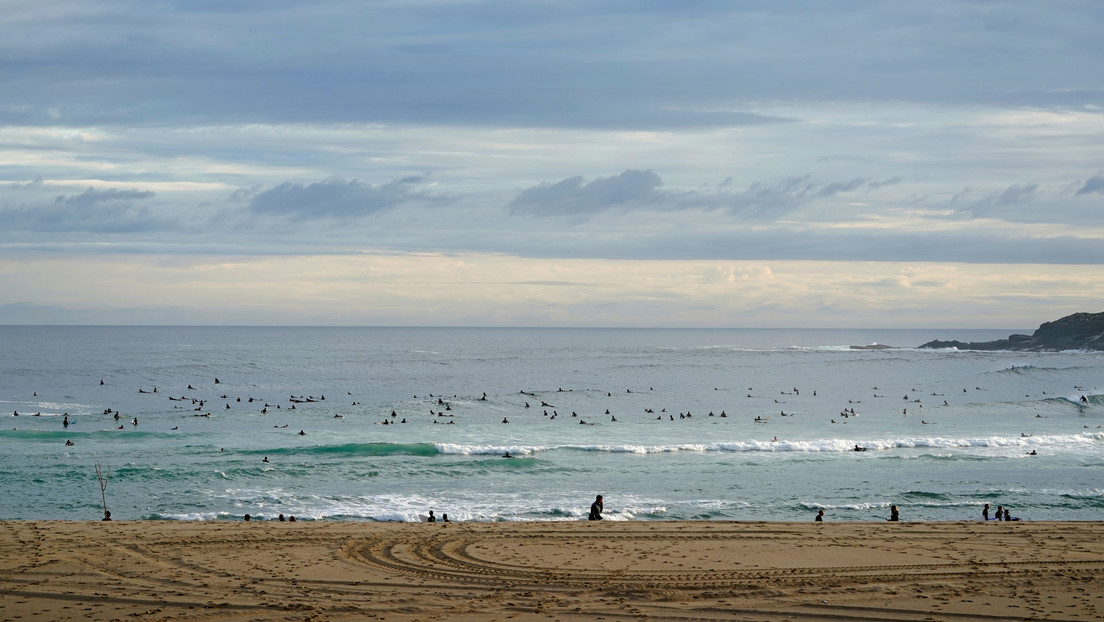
[[596, 509], [985, 512]]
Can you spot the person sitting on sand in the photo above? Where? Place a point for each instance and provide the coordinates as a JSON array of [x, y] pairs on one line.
[[819, 517], [107, 516], [596, 509], [894, 515], [985, 512], [444, 517], [432, 518]]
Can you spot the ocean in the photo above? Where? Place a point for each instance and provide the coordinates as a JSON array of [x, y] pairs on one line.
[[385, 424]]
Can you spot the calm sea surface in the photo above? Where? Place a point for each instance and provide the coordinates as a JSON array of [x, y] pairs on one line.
[[666, 424]]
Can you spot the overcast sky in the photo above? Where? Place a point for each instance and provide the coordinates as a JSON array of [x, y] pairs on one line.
[[555, 163]]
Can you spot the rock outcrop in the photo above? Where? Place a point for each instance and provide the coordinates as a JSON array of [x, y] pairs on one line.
[[1080, 331]]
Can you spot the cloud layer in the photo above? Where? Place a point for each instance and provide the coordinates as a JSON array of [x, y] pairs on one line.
[[441, 134]]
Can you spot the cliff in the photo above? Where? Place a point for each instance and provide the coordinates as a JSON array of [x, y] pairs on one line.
[[1080, 331]]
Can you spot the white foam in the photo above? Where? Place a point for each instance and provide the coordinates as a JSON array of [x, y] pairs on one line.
[[828, 445]]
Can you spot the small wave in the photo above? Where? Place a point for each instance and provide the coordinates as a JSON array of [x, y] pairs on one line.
[[832, 445], [487, 450], [354, 449]]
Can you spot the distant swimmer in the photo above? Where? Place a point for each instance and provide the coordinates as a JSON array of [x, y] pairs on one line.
[[265, 459], [505, 420], [507, 455], [1084, 400], [69, 443], [302, 433], [858, 448], [1033, 453]]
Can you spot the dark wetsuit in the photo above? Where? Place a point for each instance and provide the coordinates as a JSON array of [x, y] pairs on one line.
[[596, 510]]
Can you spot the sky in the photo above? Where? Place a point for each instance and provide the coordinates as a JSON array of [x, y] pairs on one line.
[[551, 163]]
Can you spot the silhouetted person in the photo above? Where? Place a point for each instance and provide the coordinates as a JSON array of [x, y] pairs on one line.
[[596, 509], [894, 516]]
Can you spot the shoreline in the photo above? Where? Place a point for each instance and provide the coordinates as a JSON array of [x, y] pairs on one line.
[[541, 570]]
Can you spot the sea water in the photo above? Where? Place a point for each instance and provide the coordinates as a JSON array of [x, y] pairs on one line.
[[688, 424]]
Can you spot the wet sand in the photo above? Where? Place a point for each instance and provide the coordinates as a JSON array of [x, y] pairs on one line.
[[162, 570]]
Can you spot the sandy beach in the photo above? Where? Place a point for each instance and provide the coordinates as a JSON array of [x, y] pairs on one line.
[[154, 570]]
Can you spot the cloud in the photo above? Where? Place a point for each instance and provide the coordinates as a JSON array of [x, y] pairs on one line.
[[572, 196], [1015, 194], [573, 64], [92, 197], [99, 211], [1094, 185], [634, 189], [336, 198]]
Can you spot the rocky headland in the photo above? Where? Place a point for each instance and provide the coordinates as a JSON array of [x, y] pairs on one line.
[[1080, 331]]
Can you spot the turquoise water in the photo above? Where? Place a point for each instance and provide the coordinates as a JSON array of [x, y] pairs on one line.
[[962, 437]]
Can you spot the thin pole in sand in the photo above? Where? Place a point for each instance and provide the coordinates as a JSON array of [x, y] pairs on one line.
[[101, 476]]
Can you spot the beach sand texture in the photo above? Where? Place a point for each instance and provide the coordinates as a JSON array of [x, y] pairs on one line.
[[162, 570]]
